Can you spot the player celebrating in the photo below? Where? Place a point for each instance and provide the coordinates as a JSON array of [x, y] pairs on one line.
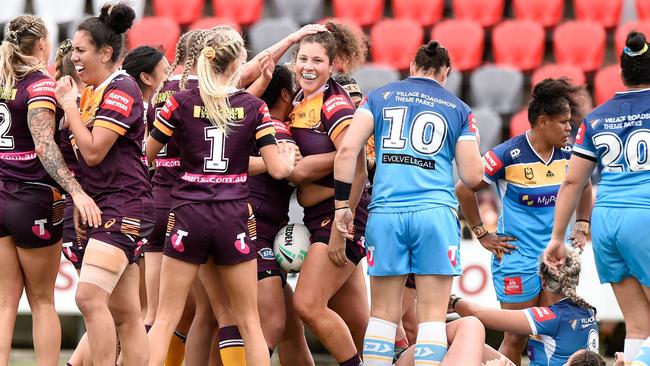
[[615, 136], [419, 128], [31, 170], [216, 126], [527, 171]]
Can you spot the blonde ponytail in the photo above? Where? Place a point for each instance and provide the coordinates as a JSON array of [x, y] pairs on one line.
[[222, 47], [16, 61]]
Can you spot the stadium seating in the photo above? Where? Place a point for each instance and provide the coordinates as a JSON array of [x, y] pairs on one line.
[[580, 43], [364, 12], [302, 11], [486, 12], [395, 42], [518, 43], [605, 12], [425, 12], [519, 123], [269, 31], [607, 82], [464, 41], [137, 5], [370, 77], [60, 11], [244, 12], [155, 31], [556, 71], [489, 127], [546, 12], [643, 9], [182, 11], [621, 34], [455, 83], [12, 9], [498, 88], [211, 22]]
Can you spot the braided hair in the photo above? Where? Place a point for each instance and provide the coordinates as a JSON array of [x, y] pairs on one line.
[[63, 61], [563, 281], [635, 60], [16, 60], [195, 44], [587, 358]]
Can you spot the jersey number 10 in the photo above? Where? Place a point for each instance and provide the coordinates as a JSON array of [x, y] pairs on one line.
[[422, 141]]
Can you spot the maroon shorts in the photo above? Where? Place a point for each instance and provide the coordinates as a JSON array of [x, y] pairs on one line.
[[160, 229], [32, 214], [220, 230], [267, 266], [73, 246], [127, 233], [318, 220]]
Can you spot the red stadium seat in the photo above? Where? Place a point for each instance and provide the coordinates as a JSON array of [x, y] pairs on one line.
[[244, 12], [486, 12], [519, 123], [643, 9], [605, 12], [425, 12], [162, 31], [556, 71], [364, 12], [207, 23], [580, 43], [607, 82], [518, 43], [395, 42], [182, 11], [621, 34], [546, 12], [464, 41]]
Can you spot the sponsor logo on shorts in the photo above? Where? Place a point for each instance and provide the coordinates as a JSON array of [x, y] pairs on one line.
[[326, 221], [492, 163], [542, 314], [371, 255], [39, 229], [69, 253], [513, 286], [240, 244], [452, 254], [139, 245], [266, 254], [109, 223], [177, 240], [538, 200]]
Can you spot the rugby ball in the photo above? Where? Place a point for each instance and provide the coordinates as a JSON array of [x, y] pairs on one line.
[[291, 245]]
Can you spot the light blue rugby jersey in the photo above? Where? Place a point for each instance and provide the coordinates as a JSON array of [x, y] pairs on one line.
[[527, 187], [616, 135], [417, 125], [559, 331]]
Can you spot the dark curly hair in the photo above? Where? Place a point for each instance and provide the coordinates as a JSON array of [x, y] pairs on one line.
[[432, 57], [342, 43], [635, 60], [552, 97], [587, 358]]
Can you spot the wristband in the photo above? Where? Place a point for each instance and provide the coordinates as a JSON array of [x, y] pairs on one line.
[[341, 208], [342, 190], [454, 301], [479, 231]]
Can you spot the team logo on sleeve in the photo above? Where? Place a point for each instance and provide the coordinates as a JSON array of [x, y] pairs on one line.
[[41, 88], [264, 111], [334, 104], [170, 106], [580, 137], [513, 286], [119, 102], [492, 163], [542, 314], [472, 123]]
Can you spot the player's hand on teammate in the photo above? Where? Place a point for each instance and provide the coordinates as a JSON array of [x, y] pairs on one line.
[[498, 244], [298, 154], [89, 214], [578, 239], [287, 153], [336, 249], [555, 253], [66, 92], [79, 228], [308, 29]]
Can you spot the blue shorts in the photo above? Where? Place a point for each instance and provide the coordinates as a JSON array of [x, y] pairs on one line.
[[424, 242], [516, 278], [621, 243]]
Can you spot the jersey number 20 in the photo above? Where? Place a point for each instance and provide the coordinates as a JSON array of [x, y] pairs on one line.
[[427, 134], [636, 151]]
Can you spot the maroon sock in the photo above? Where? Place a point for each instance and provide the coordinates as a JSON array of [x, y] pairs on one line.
[[354, 361]]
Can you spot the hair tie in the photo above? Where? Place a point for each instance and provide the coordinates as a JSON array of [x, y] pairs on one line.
[[631, 53], [209, 53], [12, 37], [110, 9], [64, 48]]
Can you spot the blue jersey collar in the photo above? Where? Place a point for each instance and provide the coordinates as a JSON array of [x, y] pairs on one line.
[[422, 78]]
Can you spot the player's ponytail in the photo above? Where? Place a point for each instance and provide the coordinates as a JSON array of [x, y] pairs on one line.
[[21, 35], [194, 46], [432, 58], [635, 60], [222, 47], [563, 281]]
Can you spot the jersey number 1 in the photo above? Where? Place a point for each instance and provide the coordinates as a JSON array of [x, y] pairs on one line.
[[428, 131], [216, 162]]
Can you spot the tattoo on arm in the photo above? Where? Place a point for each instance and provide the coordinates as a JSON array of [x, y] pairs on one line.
[[41, 122]]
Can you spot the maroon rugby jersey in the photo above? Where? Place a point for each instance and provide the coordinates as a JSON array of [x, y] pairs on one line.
[[18, 159], [168, 161], [270, 197], [120, 183], [317, 120], [214, 166], [69, 151]]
